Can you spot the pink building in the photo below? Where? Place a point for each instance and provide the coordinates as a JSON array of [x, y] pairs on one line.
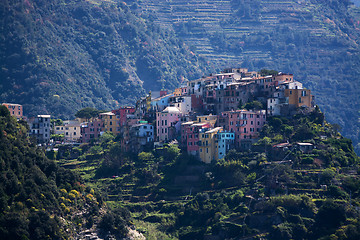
[[245, 124], [123, 112], [165, 123], [91, 130], [190, 136]]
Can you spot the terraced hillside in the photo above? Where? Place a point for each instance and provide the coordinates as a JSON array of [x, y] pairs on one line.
[[316, 40]]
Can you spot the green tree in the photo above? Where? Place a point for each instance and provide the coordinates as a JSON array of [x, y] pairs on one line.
[[254, 105], [87, 113]]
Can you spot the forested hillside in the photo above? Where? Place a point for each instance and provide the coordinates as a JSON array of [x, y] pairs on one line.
[[317, 40], [59, 56], [30, 203]]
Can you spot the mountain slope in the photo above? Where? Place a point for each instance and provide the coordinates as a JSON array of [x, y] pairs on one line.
[[316, 40], [59, 56], [30, 196]]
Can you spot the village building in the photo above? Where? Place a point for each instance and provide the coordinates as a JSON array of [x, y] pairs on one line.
[[225, 142], [15, 110], [90, 130], [208, 150], [71, 130], [299, 97], [166, 124], [40, 127], [110, 122], [183, 103], [141, 136], [122, 114], [246, 124]]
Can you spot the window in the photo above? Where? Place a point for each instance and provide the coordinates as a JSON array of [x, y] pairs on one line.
[[252, 122], [299, 100], [244, 130]]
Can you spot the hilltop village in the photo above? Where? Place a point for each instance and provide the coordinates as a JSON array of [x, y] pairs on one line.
[[206, 117]]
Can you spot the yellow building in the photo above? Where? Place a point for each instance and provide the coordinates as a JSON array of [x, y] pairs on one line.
[[177, 92], [299, 97], [110, 122], [208, 144], [207, 118]]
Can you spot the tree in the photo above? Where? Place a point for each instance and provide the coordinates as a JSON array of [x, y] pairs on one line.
[[254, 105], [87, 113], [266, 72]]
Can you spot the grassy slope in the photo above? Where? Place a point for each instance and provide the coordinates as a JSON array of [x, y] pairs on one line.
[[173, 196]]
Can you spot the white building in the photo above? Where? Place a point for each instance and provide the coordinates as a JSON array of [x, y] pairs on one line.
[[70, 129], [40, 128]]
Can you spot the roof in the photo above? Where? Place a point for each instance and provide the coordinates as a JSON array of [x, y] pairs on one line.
[[107, 113], [14, 104], [200, 124], [165, 96], [187, 123], [214, 130], [305, 144], [44, 116], [171, 110], [281, 145]]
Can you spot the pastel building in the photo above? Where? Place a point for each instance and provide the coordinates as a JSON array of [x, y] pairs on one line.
[[166, 124], [244, 123], [208, 150], [71, 131], [123, 112], [225, 142], [110, 122], [15, 110], [40, 128], [299, 97], [211, 119], [90, 130], [190, 136], [181, 91]]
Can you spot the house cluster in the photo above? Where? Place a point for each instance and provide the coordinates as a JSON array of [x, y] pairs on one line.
[[204, 116]]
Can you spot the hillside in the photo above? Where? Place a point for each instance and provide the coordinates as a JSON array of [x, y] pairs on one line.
[[267, 193], [30, 196], [316, 40], [60, 56]]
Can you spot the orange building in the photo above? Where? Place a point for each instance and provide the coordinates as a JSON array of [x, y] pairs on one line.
[[299, 97], [15, 110], [111, 122]]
